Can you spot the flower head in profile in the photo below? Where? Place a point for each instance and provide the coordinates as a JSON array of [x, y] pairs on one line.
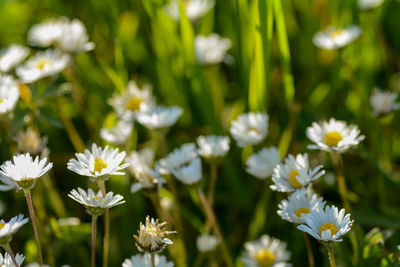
[[151, 236], [145, 261], [327, 224], [30, 142], [43, 64], [6, 260], [24, 170], [383, 102], [132, 101], [99, 163], [47, 33], [333, 38], [7, 229], [211, 49], [333, 135], [250, 128], [212, 146], [194, 9], [96, 203], [294, 174], [369, 4], [11, 56], [160, 118], [266, 251], [206, 243], [9, 93], [300, 203], [119, 134], [262, 163]]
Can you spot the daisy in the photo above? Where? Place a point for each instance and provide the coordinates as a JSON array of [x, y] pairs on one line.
[[294, 174], [145, 261], [206, 243], [24, 170], [98, 163], [74, 37], [7, 261], [194, 9], [30, 142], [47, 33], [212, 146], [11, 56], [9, 93], [7, 229], [250, 128], [383, 102], [44, 64], [160, 118], [119, 134], [333, 38], [132, 100], [95, 204], [327, 225], [369, 4], [211, 49], [262, 163], [151, 236], [333, 135], [266, 251], [300, 203]]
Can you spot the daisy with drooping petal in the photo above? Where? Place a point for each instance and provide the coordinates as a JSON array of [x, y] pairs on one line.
[[333, 135], [145, 261], [7, 261], [250, 128], [9, 93], [206, 243], [212, 146], [98, 163], [211, 49], [9, 228], [300, 203], [151, 236], [383, 102], [369, 4], [11, 56], [194, 9], [159, 118], [327, 224], [266, 251], [294, 174], [333, 38], [119, 134], [132, 100], [262, 163], [44, 64]]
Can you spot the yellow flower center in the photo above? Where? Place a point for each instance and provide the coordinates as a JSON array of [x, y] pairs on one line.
[[97, 197], [336, 33], [293, 180], [99, 164], [265, 258], [254, 130], [1, 100], [133, 103], [42, 63], [332, 138], [2, 225], [301, 211], [328, 226]]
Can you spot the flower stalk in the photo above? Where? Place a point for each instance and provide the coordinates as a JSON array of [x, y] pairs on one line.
[[106, 241], [7, 248], [94, 227], [310, 256], [331, 256]]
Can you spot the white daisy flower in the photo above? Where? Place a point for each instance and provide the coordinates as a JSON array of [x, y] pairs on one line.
[[7, 229], [74, 37], [194, 9], [327, 225], [300, 203], [369, 4], [7, 261], [250, 128], [47, 33], [266, 251], [333, 38], [151, 236], [333, 135], [212, 146], [262, 163], [383, 102], [132, 100], [95, 204], [159, 118], [9, 93], [24, 170], [30, 142], [206, 243], [145, 261], [119, 134], [44, 64], [294, 174], [211, 49], [11, 56]]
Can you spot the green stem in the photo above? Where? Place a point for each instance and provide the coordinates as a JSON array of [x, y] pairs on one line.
[[341, 181], [331, 256], [310, 256], [106, 241], [94, 225], [213, 181], [153, 261]]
